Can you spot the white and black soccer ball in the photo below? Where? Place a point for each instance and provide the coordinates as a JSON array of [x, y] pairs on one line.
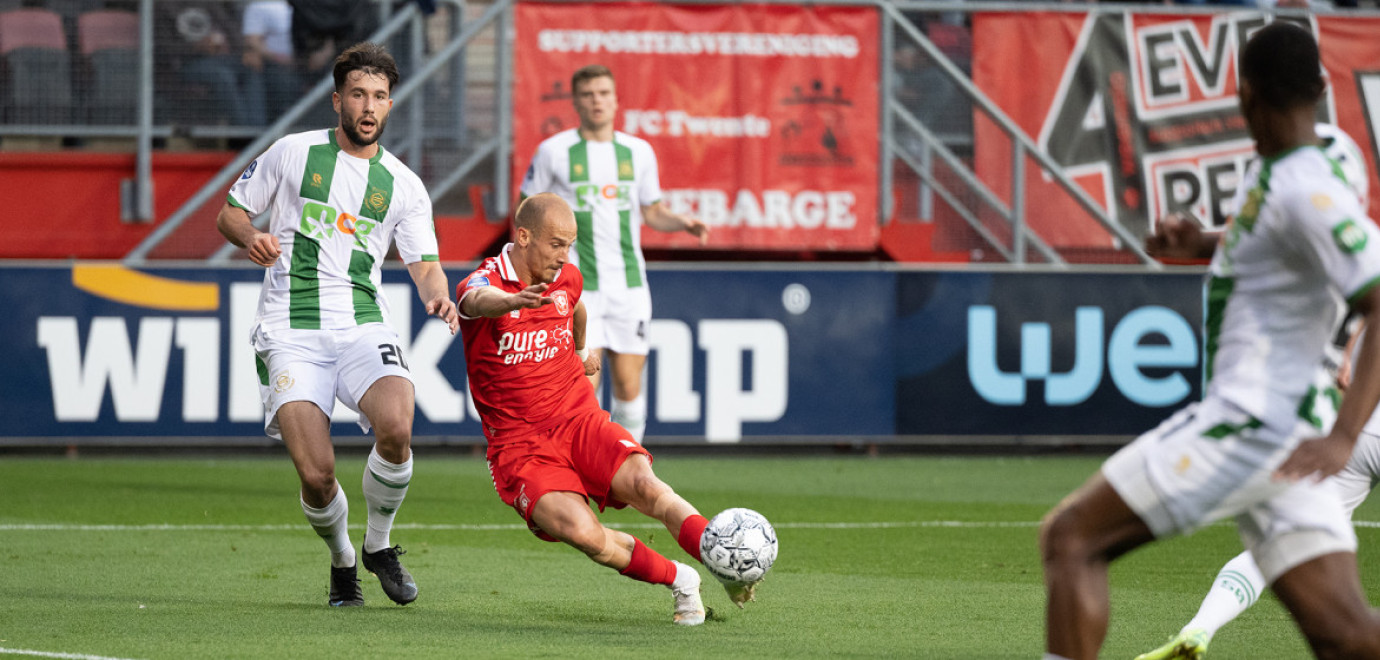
[[739, 546]]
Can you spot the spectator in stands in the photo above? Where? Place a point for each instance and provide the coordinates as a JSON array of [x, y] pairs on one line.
[[271, 80], [198, 47], [321, 29]]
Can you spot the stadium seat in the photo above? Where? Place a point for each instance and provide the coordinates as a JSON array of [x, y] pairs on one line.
[[35, 68], [109, 44]]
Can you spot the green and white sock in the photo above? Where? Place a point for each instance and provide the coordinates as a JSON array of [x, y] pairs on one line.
[[1237, 586], [331, 523], [385, 486]]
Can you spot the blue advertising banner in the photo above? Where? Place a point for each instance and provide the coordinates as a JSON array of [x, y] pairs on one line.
[[96, 353], [1032, 354]]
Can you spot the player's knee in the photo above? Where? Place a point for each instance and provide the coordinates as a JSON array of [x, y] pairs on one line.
[[1062, 538], [318, 485], [591, 540], [394, 433]]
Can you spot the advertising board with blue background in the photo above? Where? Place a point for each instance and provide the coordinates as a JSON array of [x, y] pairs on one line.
[[96, 353]]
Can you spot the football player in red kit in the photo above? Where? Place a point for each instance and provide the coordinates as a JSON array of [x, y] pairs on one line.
[[551, 449]]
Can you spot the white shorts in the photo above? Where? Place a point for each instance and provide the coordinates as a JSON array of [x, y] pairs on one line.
[[321, 366], [1208, 462], [618, 320], [1361, 473]]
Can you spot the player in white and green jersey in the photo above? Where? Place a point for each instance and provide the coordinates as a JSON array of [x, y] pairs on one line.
[[1261, 441], [1239, 584], [610, 179], [336, 201]]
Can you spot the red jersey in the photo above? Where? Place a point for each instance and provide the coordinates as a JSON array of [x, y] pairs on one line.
[[523, 371]]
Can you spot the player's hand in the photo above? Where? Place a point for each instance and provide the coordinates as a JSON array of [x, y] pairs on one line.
[[696, 227], [529, 298], [263, 249], [1316, 459], [593, 363], [1177, 236], [443, 308]]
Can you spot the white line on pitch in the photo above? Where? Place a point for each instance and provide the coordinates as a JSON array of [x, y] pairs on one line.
[[496, 527], [66, 527], [49, 654]]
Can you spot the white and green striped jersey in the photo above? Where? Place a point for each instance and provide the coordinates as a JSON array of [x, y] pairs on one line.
[[606, 184], [1298, 247], [335, 216]]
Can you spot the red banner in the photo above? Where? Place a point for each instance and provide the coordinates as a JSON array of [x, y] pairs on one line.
[[764, 118], [1141, 110]]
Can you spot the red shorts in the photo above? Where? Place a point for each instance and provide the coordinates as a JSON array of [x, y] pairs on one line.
[[579, 456]]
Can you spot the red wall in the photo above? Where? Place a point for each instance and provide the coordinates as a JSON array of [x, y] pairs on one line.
[[67, 204]]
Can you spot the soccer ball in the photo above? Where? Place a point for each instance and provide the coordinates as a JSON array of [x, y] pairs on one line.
[[738, 546]]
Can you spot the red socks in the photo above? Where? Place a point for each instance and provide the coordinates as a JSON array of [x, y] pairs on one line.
[[690, 532], [648, 565]]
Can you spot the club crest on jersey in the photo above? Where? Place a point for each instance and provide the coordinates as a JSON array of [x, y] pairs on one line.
[[562, 303], [376, 201]]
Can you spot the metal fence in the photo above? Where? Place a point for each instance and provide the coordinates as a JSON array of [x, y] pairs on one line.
[[187, 74]]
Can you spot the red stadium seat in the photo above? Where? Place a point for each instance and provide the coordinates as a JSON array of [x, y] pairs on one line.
[[109, 45], [108, 29], [35, 68]]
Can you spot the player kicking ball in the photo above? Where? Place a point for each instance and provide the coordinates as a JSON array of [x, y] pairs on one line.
[[551, 449]]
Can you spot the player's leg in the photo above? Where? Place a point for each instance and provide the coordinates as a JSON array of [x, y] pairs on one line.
[[627, 324], [374, 381], [306, 433], [567, 517], [389, 407], [1235, 589], [1078, 541], [1304, 543], [636, 484], [629, 408], [297, 382], [1324, 596]]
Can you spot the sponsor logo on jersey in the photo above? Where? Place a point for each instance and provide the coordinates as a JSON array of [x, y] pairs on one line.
[[476, 281], [526, 346], [1350, 237], [321, 222], [249, 171], [562, 302], [588, 196]]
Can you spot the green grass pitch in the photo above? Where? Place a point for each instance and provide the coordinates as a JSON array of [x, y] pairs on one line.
[[925, 557]]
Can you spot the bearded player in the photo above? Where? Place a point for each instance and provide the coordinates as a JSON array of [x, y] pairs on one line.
[[552, 450]]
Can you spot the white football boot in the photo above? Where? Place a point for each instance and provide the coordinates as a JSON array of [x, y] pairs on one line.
[[689, 607]]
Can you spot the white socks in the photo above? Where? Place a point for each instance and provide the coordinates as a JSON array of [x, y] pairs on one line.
[[1237, 586], [331, 524], [631, 415], [385, 486]]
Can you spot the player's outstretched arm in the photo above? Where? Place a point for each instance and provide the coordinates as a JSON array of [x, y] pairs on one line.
[[1319, 458], [660, 218], [1179, 236], [431, 283], [492, 302], [234, 224]]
